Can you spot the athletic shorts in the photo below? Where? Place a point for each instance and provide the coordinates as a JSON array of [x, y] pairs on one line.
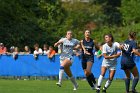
[[85, 60], [127, 63], [109, 65], [62, 58], [128, 66]]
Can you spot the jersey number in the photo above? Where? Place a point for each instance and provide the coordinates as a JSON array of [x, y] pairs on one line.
[[126, 47]]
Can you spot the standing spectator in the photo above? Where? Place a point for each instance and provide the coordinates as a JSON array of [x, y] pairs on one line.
[[51, 52], [45, 49], [15, 56], [37, 51], [99, 52], [3, 49], [27, 50], [15, 53], [12, 48]]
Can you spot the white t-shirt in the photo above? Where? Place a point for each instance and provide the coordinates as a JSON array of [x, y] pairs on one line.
[[114, 49], [39, 51], [68, 46]]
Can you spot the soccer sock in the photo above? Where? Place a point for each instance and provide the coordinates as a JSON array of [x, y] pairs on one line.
[[100, 81], [107, 84], [73, 81], [89, 81], [127, 84], [135, 82], [61, 72], [93, 78]]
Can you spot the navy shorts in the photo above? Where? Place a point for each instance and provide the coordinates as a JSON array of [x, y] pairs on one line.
[[127, 63], [86, 59], [128, 66]]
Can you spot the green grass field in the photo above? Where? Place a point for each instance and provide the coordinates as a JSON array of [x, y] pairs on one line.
[[48, 86]]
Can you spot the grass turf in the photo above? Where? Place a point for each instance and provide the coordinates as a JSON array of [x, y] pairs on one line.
[[48, 86]]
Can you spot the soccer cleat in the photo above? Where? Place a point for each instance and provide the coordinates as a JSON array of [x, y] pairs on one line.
[[75, 87], [58, 84], [98, 90], [103, 91], [94, 87], [134, 91]]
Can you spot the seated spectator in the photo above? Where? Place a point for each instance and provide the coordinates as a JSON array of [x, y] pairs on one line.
[[27, 50], [45, 49], [51, 52], [3, 49], [37, 51]]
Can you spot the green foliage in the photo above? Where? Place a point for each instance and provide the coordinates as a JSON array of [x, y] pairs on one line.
[[26, 22]]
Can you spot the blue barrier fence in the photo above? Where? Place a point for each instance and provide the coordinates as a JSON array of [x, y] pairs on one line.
[[26, 65]]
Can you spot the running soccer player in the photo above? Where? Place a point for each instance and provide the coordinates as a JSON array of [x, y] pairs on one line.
[[127, 61], [88, 58], [110, 52], [66, 57]]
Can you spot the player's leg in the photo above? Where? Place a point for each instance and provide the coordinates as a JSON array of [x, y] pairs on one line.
[[127, 80], [100, 79], [69, 73], [89, 75], [109, 81], [61, 72], [135, 73]]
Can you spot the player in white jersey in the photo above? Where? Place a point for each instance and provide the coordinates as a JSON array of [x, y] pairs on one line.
[[66, 57], [110, 52]]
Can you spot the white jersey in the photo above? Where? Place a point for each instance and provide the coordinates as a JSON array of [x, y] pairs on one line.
[[110, 51], [68, 46]]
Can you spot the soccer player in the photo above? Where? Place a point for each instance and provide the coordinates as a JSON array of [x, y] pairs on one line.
[[88, 58], [110, 52], [66, 57], [127, 62]]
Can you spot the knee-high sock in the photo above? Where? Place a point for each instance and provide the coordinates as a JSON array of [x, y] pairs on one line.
[[100, 81], [61, 72], [93, 78], [127, 84], [107, 84], [73, 81], [135, 82], [89, 81]]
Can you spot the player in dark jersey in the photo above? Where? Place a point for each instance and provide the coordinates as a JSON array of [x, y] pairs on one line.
[[88, 58], [127, 61]]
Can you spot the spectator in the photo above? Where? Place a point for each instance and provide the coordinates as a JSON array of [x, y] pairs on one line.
[[3, 49], [45, 49], [99, 52], [27, 50], [15, 56], [15, 53], [51, 52], [12, 48], [37, 51]]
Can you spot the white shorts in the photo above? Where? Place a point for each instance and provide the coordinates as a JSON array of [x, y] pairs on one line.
[[62, 58], [109, 66]]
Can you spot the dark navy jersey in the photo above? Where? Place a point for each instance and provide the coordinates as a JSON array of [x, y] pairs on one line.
[[127, 55], [88, 45]]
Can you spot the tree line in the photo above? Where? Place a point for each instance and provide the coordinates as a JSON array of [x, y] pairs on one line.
[[26, 22]]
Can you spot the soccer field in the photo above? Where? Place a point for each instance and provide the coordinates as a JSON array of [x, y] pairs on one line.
[[48, 86]]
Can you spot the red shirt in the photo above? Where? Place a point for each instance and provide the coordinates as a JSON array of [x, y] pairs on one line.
[[3, 50]]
